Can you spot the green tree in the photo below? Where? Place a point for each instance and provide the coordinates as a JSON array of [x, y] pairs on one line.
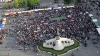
[[79, 1], [16, 3], [33, 2], [67, 1], [22, 2], [30, 2], [56, 1], [37, 2], [7, 5]]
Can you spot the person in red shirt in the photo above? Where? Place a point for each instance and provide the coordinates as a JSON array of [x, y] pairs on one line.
[[72, 54]]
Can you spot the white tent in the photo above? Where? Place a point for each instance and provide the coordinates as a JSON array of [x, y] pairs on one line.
[[4, 19], [30, 10], [94, 20], [4, 22], [24, 11], [70, 6], [36, 10], [14, 12], [19, 12], [49, 8], [98, 29], [90, 15], [40, 9], [64, 7], [46, 9], [6, 14]]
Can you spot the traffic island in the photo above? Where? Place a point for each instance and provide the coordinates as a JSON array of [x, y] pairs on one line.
[[58, 52]]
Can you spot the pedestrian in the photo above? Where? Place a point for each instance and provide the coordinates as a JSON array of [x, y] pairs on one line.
[[8, 54]]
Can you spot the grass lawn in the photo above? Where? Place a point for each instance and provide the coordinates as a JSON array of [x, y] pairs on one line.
[[58, 52]]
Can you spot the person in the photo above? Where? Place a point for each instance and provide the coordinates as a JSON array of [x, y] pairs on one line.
[[72, 54], [97, 51], [8, 54]]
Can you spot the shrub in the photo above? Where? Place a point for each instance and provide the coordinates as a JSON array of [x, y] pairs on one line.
[[67, 1]]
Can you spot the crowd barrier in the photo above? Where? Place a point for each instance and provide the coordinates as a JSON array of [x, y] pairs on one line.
[[39, 10]]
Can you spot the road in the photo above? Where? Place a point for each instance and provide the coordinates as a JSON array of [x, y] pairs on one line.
[[10, 41]]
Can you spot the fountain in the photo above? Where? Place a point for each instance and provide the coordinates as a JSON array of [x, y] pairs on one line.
[[58, 43]]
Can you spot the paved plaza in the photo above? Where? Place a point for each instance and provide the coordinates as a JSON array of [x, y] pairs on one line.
[[10, 42]]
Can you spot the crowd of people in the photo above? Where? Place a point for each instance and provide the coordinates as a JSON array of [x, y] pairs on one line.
[[93, 3], [2, 35], [36, 27]]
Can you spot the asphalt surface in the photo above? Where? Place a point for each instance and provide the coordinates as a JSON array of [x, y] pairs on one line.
[[90, 50]]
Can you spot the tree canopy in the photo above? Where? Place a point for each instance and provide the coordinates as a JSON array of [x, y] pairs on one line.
[[16, 3], [67, 1], [22, 2], [33, 2], [79, 1], [7, 5], [56, 1]]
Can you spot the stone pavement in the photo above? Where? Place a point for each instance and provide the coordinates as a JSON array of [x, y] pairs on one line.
[[94, 12], [10, 41]]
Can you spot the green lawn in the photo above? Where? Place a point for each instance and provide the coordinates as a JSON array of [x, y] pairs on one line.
[[58, 52]]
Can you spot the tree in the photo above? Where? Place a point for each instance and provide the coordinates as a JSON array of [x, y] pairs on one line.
[[22, 2], [37, 2], [67, 1], [79, 1], [56, 1], [7, 5], [30, 2], [16, 3], [33, 2]]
